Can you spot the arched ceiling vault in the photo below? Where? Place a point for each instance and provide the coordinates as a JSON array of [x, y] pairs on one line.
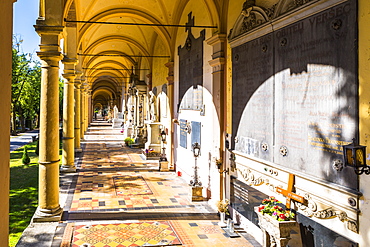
[[108, 49]]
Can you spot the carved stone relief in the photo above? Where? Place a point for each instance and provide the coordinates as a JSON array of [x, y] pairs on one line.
[[309, 209], [252, 16]]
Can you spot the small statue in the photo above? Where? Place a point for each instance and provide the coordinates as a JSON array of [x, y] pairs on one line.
[[115, 112], [152, 107]]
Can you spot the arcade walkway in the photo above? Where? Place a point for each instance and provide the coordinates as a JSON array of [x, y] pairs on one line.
[[119, 199]]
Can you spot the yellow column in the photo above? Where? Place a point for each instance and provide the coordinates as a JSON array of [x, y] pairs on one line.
[[68, 118], [87, 108], [90, 110], [6, 24], [170, 95], [219, 94], [49, 208], [82, 112], [78, 115]]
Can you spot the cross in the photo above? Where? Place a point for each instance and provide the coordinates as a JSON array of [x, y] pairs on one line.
[[190, 22], [289, 193]]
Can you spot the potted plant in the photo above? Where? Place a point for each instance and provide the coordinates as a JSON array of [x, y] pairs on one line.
[[129, 141], [223, 209], [270, 207], [275, 221]]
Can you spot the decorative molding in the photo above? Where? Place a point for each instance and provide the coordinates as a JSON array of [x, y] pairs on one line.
[[253, 16], [328, 213], [251, 177], [315, 206]]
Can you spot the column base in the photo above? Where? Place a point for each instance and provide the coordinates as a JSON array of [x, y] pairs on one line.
[[68, 169], [78, 150], [47, 215]]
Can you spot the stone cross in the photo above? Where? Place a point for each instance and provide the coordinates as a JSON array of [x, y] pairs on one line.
[[289, 193]]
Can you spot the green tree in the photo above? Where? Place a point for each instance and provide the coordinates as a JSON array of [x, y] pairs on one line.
[[26, 83]]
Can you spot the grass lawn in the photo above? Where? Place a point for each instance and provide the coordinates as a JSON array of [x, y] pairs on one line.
[[23, 192]]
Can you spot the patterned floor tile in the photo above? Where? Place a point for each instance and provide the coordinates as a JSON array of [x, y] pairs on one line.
[[155, 233], [129, 185], [116, 180]]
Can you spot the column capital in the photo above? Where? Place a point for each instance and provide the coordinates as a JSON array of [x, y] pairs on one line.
[[69, 61], [70, 77], [217, 38], [54, 56], [48, 30]]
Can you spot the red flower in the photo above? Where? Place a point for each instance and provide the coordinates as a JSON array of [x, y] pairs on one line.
[[282, 216], [261, 208], [276, 207]]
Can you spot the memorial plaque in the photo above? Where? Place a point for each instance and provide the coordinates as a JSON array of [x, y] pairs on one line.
[[316, 92], [164, 102], [195, 132], [253, 97], [191, 69], [303, 97], [183, 133], [243, 198], [193, 99]]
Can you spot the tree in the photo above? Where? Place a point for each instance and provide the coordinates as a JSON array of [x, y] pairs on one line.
[[26, 90], [26, 83]]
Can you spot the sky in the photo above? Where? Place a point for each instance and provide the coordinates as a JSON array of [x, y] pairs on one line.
[[24, 17]]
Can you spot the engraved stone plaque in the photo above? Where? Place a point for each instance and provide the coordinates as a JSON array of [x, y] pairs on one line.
[[316, 92], [253, 83], [191, 72], [244, 198], [195, 132], [183, 133], [295, 95]]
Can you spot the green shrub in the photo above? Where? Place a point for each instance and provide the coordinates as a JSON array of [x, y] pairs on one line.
[[37, 147], [25, 158]]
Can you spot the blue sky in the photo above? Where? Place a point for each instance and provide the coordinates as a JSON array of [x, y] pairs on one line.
[[25, 15]]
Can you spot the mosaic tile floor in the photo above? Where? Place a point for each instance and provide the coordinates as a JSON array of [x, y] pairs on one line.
[[158, 233], [117, 198], [129, 185]]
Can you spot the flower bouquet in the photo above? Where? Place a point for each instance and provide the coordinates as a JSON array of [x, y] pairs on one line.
[[270, 207], [223, 206]]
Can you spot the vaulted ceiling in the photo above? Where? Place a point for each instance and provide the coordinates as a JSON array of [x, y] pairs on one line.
[[115, 36]]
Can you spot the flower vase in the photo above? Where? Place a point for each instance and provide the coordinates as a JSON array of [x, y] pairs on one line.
[[222, 220], [276, 233]]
